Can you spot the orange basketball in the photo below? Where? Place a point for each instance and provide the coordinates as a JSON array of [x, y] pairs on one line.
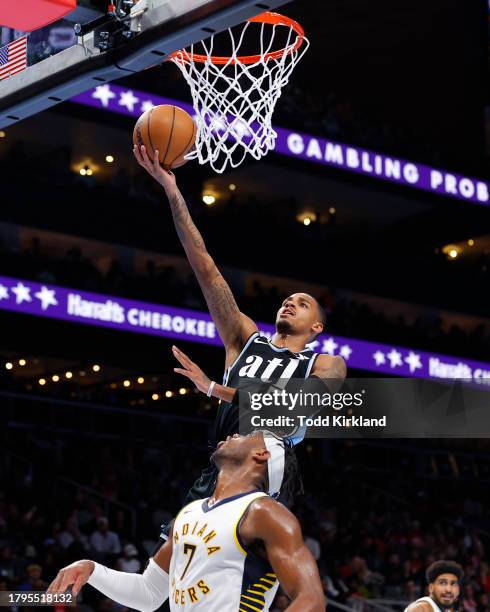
[[169, 130]]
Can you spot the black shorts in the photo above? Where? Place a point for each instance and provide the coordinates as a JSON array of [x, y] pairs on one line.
[[201, 489]]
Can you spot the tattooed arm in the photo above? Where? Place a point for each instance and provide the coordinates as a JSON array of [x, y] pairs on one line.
[[233, 326], [331, 370], [327, 366]]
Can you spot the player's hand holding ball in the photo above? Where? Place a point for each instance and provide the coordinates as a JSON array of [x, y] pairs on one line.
[[162, 137], [153, 167], [74, 575]]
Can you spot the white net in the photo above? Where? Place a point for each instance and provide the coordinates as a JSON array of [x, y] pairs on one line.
[[234, 96]]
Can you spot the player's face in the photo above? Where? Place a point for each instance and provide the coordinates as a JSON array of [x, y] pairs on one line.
[[237, 448], [445, 590], [298, 314]]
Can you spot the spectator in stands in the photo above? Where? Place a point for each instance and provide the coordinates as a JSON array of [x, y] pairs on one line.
[[130, 562], [7, 570], [71, 534], [469, 601], [34, 581], [483, 602], [314, 545], [105, 544]]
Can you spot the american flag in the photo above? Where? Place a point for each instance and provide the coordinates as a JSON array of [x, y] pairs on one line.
[[13, 57]]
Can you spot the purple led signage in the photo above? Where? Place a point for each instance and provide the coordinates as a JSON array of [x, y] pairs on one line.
[[179, 324], [311, 148]]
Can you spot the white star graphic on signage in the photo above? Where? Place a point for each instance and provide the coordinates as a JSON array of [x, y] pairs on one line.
[[128, 99], [47, 297], [395, 358], [345, 351], [329, 346], [413, 361], [146, 105], [104, 94], [22, 293], [379, 358], [4, 294]]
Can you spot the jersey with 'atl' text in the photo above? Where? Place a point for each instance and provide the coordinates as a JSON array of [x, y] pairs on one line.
[[260, 359]]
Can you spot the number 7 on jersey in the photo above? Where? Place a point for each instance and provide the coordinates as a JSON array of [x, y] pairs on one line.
[[188, 548]]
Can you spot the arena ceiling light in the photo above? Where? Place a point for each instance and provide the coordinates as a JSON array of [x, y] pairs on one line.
[[306, 217], [452, 251], [208, 199]]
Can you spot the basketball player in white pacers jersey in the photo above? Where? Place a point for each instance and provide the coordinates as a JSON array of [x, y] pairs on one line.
[[444, 579], [300, 319], [227, 553]]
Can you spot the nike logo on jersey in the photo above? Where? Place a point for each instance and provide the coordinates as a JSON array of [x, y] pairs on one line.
[[260, 341]]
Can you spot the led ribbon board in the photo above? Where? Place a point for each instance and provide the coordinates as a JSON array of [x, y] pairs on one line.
[[76, 306], [314, 149]]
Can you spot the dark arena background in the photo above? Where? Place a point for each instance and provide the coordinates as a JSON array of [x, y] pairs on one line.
[[376, 201]]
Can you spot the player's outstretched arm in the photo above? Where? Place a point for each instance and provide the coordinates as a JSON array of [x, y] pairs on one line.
[[203, 383], [233, 326], [145, 592], [290, 558]]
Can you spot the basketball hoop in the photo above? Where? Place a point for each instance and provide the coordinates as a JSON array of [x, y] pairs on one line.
[[234, 95]]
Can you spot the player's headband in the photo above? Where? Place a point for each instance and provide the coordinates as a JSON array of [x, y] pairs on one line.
[[275, 465]]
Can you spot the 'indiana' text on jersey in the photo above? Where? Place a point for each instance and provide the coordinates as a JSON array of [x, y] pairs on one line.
[[210, 568], [260, 359]]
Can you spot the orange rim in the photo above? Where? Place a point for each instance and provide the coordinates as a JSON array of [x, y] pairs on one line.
[[268, 17]]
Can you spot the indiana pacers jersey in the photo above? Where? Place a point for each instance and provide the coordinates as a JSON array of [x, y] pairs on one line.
[[428, 600], [260, 359], [210, 569]]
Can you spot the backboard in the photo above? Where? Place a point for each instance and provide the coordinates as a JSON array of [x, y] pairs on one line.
[[153, 30]]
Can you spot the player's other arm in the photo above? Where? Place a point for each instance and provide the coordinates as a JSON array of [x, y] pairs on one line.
[[327, 367], [232, 325], [145, 592], [331, 370], [291, 560]]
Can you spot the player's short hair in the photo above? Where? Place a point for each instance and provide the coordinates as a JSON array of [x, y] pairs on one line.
[[322, 315], [443, 567], [321, 312]]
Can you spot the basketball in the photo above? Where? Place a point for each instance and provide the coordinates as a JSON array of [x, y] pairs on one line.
[[169, 130]]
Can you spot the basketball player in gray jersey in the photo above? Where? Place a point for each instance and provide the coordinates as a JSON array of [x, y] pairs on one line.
[[299, 320], [444, 580]]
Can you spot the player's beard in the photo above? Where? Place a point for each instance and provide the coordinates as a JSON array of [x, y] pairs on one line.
[[445, 607], [284, 327]]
